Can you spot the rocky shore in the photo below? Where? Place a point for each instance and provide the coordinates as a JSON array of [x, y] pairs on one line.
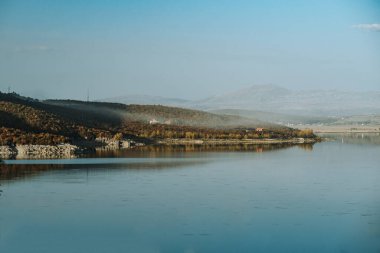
[[72, 151], [39, 151], [65, 150]]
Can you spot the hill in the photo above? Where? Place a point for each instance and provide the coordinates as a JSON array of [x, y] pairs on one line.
[[26, 120], [114, 113], [285, 103]]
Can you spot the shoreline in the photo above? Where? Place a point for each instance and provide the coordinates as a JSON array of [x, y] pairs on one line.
[[345, 132], [69, 151], [235, 141], [64, 150]]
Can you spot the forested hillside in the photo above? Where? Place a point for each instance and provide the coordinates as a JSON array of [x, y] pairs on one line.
[[26, 120], [113, 113]]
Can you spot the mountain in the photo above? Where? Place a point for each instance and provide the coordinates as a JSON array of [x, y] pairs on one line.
[[271, 98], [275, 99]]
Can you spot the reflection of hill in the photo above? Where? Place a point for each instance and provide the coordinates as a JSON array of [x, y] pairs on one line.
[[22, 171]]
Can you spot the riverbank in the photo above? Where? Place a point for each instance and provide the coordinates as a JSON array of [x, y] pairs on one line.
[[64, 150], [68, 151], [39, 151], [237, 141]]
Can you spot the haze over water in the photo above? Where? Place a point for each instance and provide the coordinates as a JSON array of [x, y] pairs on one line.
[[321, 198]]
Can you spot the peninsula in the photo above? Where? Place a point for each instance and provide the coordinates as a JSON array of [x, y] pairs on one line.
[[62, 128]]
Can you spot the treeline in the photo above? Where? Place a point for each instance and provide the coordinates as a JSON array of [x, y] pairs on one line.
[[163, 131]]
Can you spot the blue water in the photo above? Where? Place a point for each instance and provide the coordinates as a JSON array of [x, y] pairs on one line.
[[324, 199]]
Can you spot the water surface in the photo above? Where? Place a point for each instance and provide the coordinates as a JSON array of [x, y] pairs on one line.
[[321, 198]]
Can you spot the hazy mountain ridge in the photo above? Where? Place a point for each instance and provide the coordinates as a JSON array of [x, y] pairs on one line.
[[276, 99], [307, 102]]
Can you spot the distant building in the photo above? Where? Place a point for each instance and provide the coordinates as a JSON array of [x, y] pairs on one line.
[[153, 121], [259, 129]]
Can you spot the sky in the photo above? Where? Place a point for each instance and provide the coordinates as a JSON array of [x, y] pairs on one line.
[[186, 49]]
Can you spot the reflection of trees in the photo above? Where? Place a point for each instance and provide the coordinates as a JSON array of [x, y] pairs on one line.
[[215, 148], [174, 150], [306, 146], [8, 172], [22, 171]]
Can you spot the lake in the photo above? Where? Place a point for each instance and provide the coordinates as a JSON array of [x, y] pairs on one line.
[[305, 198]]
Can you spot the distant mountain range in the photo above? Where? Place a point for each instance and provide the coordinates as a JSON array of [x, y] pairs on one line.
[[276, 99], [305, 102]]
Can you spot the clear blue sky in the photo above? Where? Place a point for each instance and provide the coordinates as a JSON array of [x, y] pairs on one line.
[[187, 49]]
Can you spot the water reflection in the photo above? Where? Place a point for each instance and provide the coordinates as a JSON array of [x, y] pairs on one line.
[[22, 171], [126, 158], [306, 146], [189, 150], [354, 138], [292, 200]]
